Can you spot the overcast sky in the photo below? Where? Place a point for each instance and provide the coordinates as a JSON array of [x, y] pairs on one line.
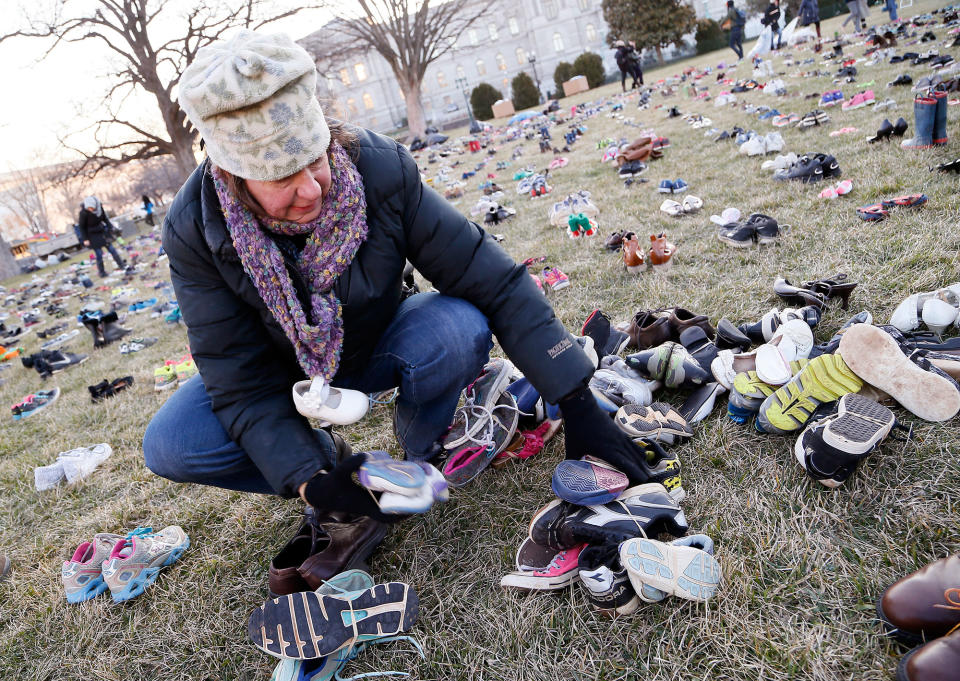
[[64, 91]]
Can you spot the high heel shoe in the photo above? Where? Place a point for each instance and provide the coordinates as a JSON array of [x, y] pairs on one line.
[[795, 294], [899, 128], [834, 287], [952, 166], [886, 129]]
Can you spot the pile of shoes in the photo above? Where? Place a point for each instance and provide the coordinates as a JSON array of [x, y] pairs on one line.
[[71, 466]]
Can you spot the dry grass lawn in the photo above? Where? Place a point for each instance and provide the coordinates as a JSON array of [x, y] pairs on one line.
[[802, 565]]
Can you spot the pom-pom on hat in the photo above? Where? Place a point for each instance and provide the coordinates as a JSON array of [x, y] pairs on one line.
[[253, 100]]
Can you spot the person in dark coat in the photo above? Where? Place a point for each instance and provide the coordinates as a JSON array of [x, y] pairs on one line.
[[735, 21], [635, 62], [97, 231], [809, 13], [628, 63], [771, 18], [287, 258]]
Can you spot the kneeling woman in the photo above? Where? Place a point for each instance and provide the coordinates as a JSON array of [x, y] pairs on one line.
[[287, 247]]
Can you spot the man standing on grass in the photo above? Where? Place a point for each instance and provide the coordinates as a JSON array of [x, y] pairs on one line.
[[734, 22]]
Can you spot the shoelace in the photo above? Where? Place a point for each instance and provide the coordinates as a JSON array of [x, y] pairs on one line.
[[355, 651], [486, 416]]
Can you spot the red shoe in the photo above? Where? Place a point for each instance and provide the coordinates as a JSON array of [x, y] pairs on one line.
[[555, 278]]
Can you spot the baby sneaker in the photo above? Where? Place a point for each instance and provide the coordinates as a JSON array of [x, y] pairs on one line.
[[82, 575], [136, 559]]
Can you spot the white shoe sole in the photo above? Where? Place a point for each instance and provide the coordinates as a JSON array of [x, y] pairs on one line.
[[682, 571]]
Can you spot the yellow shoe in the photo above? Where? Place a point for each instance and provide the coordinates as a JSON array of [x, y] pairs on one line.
[[749, 392], [185, 371], [164, 378], [826, 378]]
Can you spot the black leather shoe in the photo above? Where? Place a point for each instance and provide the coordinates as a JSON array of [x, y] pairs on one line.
[[699, 345], [730, 337], [884, 132]]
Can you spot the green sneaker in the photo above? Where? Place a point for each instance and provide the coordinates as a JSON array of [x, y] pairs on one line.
[[749, 392], [826, 378]]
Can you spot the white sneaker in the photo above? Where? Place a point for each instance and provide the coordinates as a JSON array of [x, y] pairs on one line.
[[81, 462], [685, 571], [48, 477], [754, 146], [774, 142], [612, 390]]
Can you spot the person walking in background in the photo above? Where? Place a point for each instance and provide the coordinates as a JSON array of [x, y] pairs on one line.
[[735, 21], [623, 58], [771, 18], [636, 69], [891, 7], [809, 13], [97, 230], [858, 21], [148, 207]]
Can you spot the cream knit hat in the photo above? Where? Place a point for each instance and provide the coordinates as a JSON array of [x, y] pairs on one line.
[[253, 100]]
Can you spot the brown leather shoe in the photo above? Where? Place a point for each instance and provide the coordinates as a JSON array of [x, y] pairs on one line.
[[923, 605], [647, 330], [633, 254], [324, 546], [661, 251], [938, 660], [681, 319]]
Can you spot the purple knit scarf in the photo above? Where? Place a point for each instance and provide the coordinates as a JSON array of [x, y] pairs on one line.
[[333, 240]]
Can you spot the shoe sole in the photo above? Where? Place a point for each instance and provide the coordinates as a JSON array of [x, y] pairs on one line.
[[526, 581], [736, 244], [307, 625], [148, 576], [825, 379], [587, 484], [678, 570], [876, 357]]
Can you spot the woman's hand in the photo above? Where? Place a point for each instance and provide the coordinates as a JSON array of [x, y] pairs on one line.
[[589, 430]]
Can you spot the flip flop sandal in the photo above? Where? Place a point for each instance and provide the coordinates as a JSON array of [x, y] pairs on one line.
[[872, 213], [906, 201]]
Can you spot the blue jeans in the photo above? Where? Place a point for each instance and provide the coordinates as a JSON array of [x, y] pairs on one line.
[[736, 42], [98, 252], [891, 7], [433, 348], [775, 30]]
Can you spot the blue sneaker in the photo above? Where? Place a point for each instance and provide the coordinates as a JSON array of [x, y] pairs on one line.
[[769, 114], [135, 561], [666, 187], [680, 186], [590, 482]]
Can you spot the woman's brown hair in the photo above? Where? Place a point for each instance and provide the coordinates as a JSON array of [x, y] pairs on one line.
[[339, 133]]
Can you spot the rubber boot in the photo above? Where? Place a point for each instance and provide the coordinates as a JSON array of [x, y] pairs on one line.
[[93, 325], [111, 328], [924, 111], [940, 118]]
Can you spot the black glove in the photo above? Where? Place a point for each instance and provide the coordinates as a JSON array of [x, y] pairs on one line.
[[590, 430], [336, 490]]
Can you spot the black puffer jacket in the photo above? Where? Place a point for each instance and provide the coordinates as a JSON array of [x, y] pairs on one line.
[[247, 362], [95, 227]]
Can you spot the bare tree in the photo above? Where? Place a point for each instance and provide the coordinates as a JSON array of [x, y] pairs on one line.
[[410, 35], [22, 195], [135, 32]]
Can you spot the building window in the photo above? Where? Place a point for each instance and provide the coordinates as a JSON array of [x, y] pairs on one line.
[[481, 68], [492, 28], [557, 42], [460, 72], [367, 101], [521, 56], [441, 79], [501, 62], [361, 71], [591, 33], [550, 9], [514, 26], [472, 36], [584, 4], [352, 106], [344, 76]]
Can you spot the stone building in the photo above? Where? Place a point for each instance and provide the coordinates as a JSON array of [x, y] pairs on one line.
[[513, 36]]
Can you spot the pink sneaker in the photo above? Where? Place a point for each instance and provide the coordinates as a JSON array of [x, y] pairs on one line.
[[859, 100], [555, 278], [560, 571]]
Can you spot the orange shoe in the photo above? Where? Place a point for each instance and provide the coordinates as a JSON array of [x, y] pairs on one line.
[[661, 251], [633, 255]]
